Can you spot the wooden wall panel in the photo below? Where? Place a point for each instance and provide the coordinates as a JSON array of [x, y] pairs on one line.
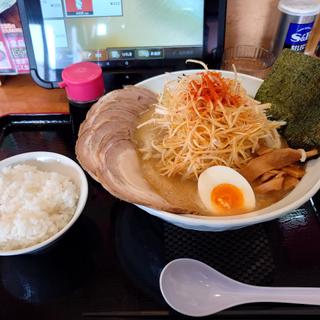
[[251, 22]]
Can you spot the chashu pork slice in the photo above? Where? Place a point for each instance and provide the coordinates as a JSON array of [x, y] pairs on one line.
[[138, 98], [97, 141], [105, 149], [117, 108], [120, 174]]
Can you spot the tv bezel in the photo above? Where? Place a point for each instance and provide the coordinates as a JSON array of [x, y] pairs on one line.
[[30, 12]]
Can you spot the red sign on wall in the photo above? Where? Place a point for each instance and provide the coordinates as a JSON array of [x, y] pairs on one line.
[[79, 7]]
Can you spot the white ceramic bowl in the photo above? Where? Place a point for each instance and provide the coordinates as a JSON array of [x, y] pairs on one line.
[[50, 161], [306, 188]]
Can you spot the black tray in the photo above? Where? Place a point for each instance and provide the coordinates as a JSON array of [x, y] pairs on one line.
[[107, 265]]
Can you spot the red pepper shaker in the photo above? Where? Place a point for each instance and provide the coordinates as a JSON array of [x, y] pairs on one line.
[[84, 85]]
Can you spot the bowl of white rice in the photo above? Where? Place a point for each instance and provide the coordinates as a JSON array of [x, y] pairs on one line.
[[42, 194]]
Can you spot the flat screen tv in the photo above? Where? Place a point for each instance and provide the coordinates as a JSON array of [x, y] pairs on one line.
[[124, 37]]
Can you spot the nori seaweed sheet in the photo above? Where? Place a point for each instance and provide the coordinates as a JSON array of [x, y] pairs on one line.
[[293, 88]]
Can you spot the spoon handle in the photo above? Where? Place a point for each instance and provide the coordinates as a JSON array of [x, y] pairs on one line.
[[297, 295]]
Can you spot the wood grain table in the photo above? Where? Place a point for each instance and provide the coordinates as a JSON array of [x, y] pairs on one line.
[[19, 94]]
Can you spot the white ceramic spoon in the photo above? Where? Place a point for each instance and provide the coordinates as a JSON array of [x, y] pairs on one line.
[[195, 289]]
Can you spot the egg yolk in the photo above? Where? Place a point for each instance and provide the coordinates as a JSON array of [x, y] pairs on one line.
[[227, 197]]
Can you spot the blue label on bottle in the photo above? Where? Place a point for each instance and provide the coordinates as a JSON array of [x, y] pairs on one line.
[[298, 35]]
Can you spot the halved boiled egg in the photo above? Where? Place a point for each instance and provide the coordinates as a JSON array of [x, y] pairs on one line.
[[225, 191]]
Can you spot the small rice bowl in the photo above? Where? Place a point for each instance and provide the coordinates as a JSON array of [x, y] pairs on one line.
[[34, 205]]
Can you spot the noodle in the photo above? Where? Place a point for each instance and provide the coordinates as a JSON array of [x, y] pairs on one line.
[[202, 120]]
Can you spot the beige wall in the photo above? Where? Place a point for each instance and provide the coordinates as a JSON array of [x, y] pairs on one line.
[[251, 22]]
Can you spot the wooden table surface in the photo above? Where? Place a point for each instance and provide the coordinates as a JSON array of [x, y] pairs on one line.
[[19, 94]]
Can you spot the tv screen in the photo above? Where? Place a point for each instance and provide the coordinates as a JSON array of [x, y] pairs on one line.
[[118, 34]]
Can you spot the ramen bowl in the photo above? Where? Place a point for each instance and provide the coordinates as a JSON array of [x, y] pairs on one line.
[[306, 188]]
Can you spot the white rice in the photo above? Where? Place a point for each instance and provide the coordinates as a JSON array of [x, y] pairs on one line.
[[34, 205]]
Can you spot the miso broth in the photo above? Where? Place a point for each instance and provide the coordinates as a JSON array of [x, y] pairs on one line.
[[177, 191]]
